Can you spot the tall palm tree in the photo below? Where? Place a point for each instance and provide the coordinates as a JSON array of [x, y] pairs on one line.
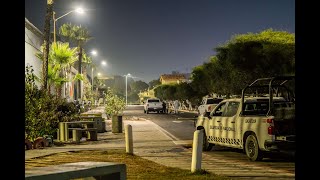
[[46, 43], [80, 36]]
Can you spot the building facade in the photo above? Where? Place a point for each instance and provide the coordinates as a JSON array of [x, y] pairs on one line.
[[173, 78], [33, 42]]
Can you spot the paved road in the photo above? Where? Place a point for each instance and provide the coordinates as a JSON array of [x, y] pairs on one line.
[[226, 160], [179, 127]]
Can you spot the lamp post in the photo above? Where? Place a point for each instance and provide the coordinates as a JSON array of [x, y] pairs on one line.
[[93, 52], [78, 10], [127, 87]]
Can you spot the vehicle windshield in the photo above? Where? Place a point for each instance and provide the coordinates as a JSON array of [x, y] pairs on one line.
[[213, 101], [153, 100]]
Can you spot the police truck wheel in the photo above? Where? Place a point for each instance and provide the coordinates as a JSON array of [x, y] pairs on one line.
[[252, 148], [206, 146]]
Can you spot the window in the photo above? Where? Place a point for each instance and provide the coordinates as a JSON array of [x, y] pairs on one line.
[[231, 109], [219, 110], [256, 108], [213, 101], [153, 100]]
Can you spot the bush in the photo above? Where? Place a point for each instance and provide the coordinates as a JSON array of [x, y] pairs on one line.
[[43, 111], [114, 104]]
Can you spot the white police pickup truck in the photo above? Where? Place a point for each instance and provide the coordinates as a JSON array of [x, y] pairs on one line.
[[256, 124]]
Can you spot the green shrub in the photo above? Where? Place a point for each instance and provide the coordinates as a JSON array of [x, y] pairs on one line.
[[43, 111], [114, 104]]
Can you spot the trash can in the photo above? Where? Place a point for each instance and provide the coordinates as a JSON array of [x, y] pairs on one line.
[[116, 124], [99, 123]]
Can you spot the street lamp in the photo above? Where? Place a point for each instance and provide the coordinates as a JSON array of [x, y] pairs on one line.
[[93, 52], [127, 87], [78, 10], [103, 63]]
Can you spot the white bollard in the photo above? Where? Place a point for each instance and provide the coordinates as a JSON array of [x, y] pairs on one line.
[[197, 150], [128, 137]]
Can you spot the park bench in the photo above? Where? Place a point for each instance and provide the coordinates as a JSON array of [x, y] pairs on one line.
[[83, 170], [77, 134], [99, 121], [63, 131]]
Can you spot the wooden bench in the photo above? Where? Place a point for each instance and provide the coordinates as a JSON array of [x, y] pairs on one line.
[[77, 134], [97, 170]]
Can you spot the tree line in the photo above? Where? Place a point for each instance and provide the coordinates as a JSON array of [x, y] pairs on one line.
[[238, 62]]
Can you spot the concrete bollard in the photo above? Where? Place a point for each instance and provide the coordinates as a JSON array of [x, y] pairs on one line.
[[66, 132], [197, 150], [58, 135], [128, 137], [61, 131]]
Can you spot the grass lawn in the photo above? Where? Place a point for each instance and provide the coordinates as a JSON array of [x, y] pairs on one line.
[[137, 167]]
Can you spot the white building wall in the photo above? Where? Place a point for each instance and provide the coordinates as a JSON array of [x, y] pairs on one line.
[[33, 41]]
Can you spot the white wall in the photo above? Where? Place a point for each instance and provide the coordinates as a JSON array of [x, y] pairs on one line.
[[33, 41]]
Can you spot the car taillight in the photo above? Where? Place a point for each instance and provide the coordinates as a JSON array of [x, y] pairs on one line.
[[209, 108], [270, 130], [270, 121], [271, 127]]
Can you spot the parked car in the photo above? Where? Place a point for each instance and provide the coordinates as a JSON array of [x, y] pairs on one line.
[[152, 105], [207, 105]]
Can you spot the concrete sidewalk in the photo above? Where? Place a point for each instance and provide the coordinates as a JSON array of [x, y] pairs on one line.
[[150, 142]]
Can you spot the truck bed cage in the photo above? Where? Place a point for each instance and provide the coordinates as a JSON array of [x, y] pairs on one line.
[[273, 84]]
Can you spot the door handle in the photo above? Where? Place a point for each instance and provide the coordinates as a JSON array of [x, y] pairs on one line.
[[218, 121], [232, 121]]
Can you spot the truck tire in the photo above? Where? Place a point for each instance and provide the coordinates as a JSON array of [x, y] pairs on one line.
[[206, 146], [252, 148]]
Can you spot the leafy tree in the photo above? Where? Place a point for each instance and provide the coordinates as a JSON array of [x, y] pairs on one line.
[[80, 36], [138, 86], [184, 91], [243, 59], [166, 91], [114, 104], [154, 83], [200, 80]]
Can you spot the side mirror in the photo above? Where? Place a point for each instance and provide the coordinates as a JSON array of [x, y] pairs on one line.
[[207, 114]]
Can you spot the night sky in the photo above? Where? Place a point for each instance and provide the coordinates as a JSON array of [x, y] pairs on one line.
[[148, 38]]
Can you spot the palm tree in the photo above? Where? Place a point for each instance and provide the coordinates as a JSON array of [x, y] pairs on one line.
[[86, 62], [46, 43], [80, 36], [61, 58]]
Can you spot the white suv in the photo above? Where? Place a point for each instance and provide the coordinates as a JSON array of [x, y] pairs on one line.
[[152, 104]]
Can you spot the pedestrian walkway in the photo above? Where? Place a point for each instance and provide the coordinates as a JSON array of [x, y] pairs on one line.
[[151, 143]]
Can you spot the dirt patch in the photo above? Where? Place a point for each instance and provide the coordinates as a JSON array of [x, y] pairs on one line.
[[137, 167]]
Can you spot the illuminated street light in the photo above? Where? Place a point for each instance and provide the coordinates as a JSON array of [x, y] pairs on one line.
[[78, 10], [94, 53], [99, 74], [104, 63]]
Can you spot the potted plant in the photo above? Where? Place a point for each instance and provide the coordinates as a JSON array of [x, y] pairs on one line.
[[114, 107]]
